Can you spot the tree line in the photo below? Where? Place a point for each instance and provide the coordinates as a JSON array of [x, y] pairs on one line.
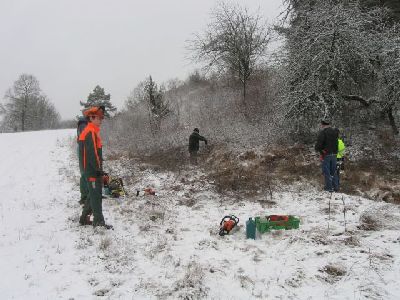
[[28, 108], [337, 59]]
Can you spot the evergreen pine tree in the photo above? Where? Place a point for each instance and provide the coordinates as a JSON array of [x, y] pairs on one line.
[[99, 98]]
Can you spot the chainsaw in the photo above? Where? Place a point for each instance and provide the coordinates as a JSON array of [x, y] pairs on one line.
[[227, 224]]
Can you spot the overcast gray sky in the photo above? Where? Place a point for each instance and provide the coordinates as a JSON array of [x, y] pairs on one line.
[[73, 45]]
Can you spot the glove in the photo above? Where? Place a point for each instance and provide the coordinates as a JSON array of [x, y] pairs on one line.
[[205, 142], [100, 173]]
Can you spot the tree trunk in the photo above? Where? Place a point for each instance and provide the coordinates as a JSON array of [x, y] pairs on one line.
[[244, 91], [392, 121], [23, 116], [23, 121], [24, 109]]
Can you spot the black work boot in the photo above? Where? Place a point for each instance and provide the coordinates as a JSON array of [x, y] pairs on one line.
[[85, 220], [108, 226], [102, 224]]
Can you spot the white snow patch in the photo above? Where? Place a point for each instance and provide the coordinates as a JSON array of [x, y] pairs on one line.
[[168, 247]]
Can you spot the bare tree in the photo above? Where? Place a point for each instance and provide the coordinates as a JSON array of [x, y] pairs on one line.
[[330, 59], [24, 91], [27, 108], [389, 74], [45, 114], [234, 42], [341, 61]]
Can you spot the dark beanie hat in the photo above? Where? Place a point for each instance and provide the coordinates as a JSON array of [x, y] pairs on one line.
[[325, 122]]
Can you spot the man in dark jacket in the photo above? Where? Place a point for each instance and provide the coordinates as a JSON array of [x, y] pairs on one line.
[[194, 139], [327, 147]]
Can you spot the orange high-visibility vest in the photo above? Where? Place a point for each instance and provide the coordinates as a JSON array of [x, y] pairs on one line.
[[93, 130]]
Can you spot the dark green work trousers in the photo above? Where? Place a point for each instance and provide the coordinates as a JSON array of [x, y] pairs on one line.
[[84, 189], [93, 203]]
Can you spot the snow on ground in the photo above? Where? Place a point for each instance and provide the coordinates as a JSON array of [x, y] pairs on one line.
[[38, 256], [168, 247]]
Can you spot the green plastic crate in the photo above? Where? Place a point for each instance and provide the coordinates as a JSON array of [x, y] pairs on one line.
[[264, 225]]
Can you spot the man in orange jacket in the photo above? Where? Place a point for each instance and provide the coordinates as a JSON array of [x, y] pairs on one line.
[[91, 162]]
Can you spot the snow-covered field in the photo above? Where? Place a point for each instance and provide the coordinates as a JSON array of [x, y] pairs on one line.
[[168, 247]]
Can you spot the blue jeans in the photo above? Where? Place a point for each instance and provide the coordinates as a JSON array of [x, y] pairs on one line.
[[329, 170]]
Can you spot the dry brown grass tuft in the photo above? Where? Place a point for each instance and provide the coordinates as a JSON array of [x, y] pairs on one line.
[[251, 172], [366, 175], [191, 285], [396, 197], [369, 222], [352, 241], [171, 160], [334, 270]]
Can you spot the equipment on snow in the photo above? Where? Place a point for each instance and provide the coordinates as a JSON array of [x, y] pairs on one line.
[[251, 229], [146, 192], [113, 186], [278, 218], [227, 224], [106, 179], [267, 223]]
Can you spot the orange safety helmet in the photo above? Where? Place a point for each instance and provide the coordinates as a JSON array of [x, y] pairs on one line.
[[94, 111]]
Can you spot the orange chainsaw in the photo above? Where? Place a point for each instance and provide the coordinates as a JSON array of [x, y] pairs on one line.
[[227, 224]]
